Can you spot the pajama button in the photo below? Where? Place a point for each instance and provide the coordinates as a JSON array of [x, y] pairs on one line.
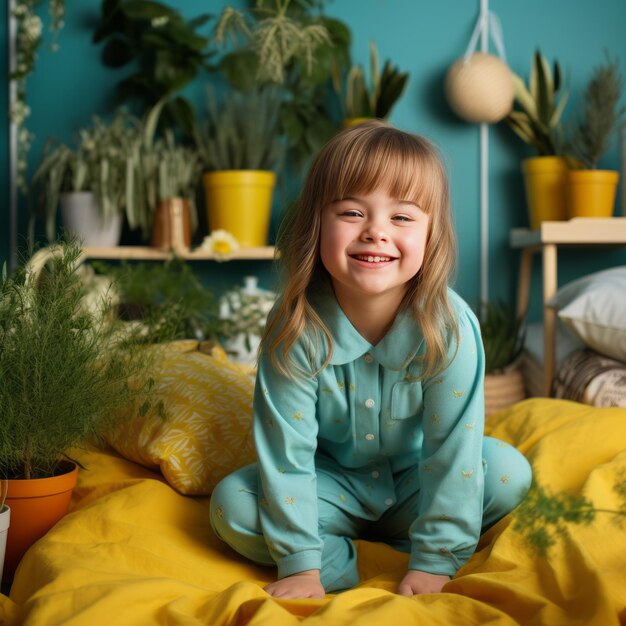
[[388, 501], [369, 437], [369, 403], [368, 358], [375, 474]]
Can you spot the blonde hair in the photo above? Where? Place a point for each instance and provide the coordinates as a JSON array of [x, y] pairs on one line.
[[362, 159]]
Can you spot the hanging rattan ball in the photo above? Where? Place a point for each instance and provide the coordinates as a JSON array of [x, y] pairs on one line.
[[480, 89]]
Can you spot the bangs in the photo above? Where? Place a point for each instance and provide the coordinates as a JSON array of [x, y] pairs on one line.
[[406, 167]]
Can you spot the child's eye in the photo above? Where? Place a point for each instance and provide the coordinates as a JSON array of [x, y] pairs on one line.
[[351, 213], [402, 218]]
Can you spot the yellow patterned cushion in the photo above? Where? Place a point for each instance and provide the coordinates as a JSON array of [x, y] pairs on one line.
[[208, 430]]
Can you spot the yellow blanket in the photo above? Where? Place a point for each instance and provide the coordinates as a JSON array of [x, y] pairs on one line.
[[133, 551]]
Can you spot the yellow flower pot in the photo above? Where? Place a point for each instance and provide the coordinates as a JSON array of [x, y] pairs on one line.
[[592, 193], [545, 180], [240, 201], [348, 122]]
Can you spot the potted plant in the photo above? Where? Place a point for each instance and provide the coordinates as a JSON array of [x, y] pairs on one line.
[[503, 340], [241, 150], [89, 181], [537, 122], [294, 47], [591, 190], [363, 101], [64, 378]]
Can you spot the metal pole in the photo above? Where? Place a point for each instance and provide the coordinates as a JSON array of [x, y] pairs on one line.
[[484, 179], [13, 226]]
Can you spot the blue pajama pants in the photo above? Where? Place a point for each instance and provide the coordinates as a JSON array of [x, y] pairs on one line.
[[235, 513]]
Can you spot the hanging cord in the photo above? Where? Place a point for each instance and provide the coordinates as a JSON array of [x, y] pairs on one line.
[[492, 21]]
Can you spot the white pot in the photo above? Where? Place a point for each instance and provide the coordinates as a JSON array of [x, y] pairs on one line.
[[82, 217], [5, 518]]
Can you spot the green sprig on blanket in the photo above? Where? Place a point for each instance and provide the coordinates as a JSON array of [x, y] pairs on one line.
[[543, 518]]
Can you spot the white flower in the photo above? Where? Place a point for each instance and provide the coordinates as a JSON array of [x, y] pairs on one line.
[[221, 244], [32, 27]]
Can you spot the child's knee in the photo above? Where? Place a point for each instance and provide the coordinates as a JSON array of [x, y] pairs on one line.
[[233, 507], [508, 478]]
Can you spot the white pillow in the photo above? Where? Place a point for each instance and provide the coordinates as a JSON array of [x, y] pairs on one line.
[[594, 309]]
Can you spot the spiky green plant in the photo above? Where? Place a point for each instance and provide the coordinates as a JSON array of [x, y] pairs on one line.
[[538, 121], [502, 335], [601, 113], [377, 98], [242, 131], [65, 374]]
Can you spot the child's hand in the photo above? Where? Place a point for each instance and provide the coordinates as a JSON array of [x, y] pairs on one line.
[[301, 585], [416, 582]]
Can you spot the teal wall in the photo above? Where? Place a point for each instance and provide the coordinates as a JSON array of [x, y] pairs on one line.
[[422, 38]]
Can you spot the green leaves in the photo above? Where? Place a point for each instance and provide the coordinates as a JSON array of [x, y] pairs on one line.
[[502, 335], [378, 98], [538, 123]]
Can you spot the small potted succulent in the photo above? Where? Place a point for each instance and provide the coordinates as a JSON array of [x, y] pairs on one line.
[[537, 121], [364, 101]]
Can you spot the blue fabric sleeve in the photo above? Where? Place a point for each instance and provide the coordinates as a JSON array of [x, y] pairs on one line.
[[447, 530], [285, 430]]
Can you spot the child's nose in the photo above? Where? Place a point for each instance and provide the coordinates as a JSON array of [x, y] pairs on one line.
[[374, 234]]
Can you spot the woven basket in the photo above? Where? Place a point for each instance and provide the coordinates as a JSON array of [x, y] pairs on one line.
[[503, 389]]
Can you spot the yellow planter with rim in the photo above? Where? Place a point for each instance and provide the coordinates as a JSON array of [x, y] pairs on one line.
[[240, 201], [592, 193], [545, 180]]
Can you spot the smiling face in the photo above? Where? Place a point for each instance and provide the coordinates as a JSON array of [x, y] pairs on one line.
[[372, 244]]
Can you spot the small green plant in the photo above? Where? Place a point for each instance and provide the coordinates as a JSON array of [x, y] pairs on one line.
[[164, 297], [378, 98], [601, 113], [97, 163], [502, 335], [66, 375], [543, 517], [538, 120], [242, 131]]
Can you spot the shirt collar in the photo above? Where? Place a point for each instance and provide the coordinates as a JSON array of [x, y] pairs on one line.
[[396, 349]]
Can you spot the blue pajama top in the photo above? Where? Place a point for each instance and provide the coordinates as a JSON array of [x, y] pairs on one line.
[[370, 407]]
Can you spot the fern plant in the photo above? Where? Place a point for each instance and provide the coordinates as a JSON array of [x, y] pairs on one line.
[[538, 120], [378, 98], [601, 113], [64, 372]]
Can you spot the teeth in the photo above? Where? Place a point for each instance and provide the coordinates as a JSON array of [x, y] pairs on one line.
[[372, 259]]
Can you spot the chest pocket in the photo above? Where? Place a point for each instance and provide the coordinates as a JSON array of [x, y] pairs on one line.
[[406, 400]]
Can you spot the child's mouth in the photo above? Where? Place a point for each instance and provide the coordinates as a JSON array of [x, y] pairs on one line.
[[370, 258]]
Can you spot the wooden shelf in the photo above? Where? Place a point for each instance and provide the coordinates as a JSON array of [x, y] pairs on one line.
[[577, 231], [146, 253]]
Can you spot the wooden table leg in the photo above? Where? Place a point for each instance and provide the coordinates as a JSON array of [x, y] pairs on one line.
[[523, 285], [549, 316]]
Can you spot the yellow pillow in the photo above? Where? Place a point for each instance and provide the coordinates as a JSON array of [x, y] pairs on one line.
[[208, 430]]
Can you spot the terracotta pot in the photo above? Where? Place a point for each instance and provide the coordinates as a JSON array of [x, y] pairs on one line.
[[172, 225], [36, 506]]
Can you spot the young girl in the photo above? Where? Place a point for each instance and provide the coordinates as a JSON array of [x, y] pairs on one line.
[[368, 406]]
